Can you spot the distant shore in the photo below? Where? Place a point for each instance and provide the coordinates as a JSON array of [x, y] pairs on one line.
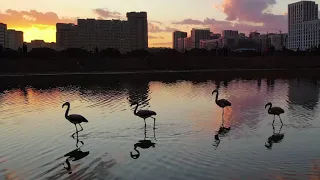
[[152, 72]]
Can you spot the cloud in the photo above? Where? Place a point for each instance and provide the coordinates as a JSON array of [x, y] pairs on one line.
[[161, 44], [152, 28], [155, 37], [255, 11], [30, 18], [105, 13]]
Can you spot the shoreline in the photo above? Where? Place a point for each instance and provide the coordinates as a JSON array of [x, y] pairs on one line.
[[148, 72]]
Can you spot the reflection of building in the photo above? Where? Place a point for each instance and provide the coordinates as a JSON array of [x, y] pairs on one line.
[[40, 44], [138, 92], [303, 25], [176, 35], [14, 39], [303, 92], [3, 29], [91, 33]]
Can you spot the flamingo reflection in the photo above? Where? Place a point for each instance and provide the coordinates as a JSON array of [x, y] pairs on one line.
[[144, 144], [275, 138], [222, 131], [74, 155]]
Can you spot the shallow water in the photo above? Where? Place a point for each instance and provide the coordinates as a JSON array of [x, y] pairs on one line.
[[35, 136]]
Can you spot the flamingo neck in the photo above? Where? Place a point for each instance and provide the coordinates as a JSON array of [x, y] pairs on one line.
[[135, 110], [269, 107], [67, 112], [217, 94]]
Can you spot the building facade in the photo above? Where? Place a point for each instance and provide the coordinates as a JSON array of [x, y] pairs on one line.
[[3, 29], [302, 19], [176, 35], [211, 44], [199, 34], [14, 39], [138, 24], [66, 36], [40, 44], [279, 41], [90, 34], [230, 33], [181, 46], [188, 43]]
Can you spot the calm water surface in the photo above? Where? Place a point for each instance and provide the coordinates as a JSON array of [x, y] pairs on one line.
[[35, 136]]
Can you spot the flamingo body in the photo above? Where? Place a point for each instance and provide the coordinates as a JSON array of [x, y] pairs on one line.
[[145, 113], [76, 118], [223, 103]]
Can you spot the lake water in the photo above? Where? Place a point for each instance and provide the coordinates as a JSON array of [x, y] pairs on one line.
[[35, 135]]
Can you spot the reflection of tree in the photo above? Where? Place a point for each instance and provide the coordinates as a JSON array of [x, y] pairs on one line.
[[305, 93], [138, 92], [270, 84]]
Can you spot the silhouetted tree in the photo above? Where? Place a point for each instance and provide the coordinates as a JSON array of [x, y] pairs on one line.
[[24, 48]]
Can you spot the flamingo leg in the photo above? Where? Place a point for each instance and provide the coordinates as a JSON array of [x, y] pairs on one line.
[[154, 122], [274, 118], [81, 127], [75, 132], [145, 125], [280, 120]]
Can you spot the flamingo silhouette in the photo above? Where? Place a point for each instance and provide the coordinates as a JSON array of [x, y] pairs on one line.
[[74, 118], [222, 103], [274, 111], [144, 114]]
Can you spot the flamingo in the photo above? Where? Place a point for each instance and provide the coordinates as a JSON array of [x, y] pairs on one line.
[[222, 103], [274, 111], [74, 118], [144, 114]]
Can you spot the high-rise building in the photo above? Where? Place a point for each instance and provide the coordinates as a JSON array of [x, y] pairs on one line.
[[3, 29], [176, 35], [66, 36], [91, 33], [14, 39], [230, 33], [138, 23], [303, 25], [199, 34]]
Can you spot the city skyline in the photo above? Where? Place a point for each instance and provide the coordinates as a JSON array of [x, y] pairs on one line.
[[162, 19]]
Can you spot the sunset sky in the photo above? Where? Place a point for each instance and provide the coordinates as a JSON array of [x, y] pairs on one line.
[[37, 18]]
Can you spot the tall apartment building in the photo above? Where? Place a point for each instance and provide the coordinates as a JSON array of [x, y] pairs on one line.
[[199, 34], [303, 25], [181, 46], [230, 33], [66, 36], [176, 35], [138, 24], [91, 33], [14, 39], [3, 29]]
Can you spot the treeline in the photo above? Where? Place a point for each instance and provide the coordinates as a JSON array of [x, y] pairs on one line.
[[70, 60]]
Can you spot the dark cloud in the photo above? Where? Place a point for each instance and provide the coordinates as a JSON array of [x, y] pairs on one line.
[[155, 37], [29, 18], [105, 13], [155, 29]]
